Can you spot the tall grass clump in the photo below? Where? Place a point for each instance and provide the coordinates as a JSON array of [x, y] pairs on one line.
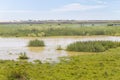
[[59, 47], [92, 46], [36, 43], [23, 56]]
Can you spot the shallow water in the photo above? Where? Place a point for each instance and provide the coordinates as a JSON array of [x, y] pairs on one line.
[[10, 48]]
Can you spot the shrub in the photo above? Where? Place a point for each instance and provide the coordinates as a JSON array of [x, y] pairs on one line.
[[36, 43], [92, 46]]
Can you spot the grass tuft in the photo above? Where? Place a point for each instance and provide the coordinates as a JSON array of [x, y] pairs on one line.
[[23, 56], [36, 43]]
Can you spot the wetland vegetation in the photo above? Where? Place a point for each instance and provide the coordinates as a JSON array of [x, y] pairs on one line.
[[36, 43], [42, 30], [23, 56], [59, 47], [92, 46]]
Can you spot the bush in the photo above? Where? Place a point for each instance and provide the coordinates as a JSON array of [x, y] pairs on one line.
[[36, 43], [92, 46]]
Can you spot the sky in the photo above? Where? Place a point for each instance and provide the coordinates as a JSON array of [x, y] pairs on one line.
[[59, 10]]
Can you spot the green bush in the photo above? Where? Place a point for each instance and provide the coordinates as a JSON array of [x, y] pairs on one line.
[[36, 43], [92, 46]]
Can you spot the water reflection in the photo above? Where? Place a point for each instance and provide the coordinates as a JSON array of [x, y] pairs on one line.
[[35, 49]]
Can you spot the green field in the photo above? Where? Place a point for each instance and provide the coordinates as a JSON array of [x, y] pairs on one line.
[[41, 30]]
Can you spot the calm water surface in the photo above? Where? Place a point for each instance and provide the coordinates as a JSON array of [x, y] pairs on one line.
[[10, 48]]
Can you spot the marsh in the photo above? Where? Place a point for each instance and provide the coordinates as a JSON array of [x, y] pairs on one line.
[[10, 48]]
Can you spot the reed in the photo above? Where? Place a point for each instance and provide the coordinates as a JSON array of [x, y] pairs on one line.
[[92, 46], [59, 47], [36, 43], [23, 56]]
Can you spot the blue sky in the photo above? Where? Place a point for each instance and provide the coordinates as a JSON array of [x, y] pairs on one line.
[[59, 9]]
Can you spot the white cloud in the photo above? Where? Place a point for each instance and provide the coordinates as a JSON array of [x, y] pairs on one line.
[[77, 7]]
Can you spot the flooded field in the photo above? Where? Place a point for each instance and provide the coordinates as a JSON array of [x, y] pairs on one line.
[[10, 48]]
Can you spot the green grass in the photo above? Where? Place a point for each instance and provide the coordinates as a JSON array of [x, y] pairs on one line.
[[36, 43], [92, 46], [101, 66], [42, 30]]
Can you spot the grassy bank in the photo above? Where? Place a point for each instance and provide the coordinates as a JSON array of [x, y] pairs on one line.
[[41, 30], [85, 67], [92, 46]]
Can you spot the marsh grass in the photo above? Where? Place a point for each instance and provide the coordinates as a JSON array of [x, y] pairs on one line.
[[17, 72], [92, 46], [23, 56], [36, 43], [59, 47], [42, 30]]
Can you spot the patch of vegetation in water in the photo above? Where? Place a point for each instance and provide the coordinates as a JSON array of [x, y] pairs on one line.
[[59, 47], [92, 46], [36, 43], [23, 56]]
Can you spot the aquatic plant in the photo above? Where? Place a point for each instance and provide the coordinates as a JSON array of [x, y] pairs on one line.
[[92, 46], [23, 56], [36, 43], [59, 47]]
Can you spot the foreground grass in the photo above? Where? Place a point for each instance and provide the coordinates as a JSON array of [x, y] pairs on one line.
[[101, 66]]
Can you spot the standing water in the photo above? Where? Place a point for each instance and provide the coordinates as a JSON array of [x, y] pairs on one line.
[[10, 48]]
